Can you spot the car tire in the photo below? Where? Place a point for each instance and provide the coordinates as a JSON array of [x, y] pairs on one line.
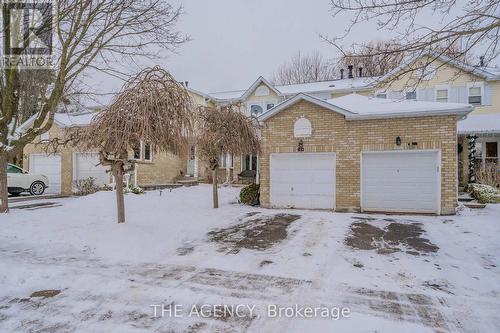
[[37, 188]]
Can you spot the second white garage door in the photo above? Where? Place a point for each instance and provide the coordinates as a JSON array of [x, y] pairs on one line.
[[404, 181], [49, 166], [303, 180], [86, 165]]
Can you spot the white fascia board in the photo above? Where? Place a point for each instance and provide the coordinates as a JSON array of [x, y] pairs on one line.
[[462, 112], [302, 97]]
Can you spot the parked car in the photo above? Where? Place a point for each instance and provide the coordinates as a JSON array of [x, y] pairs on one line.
[[19, 181]]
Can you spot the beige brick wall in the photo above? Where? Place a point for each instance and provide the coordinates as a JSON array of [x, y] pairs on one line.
[[332, 133], [163, 169]]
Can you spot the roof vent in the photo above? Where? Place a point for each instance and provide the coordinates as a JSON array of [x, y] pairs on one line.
[[341, 73], [481, 61]]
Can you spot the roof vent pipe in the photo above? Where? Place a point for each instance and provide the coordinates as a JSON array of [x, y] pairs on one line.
[[481, 61], [341, 73], [349, 71], [186, 83]]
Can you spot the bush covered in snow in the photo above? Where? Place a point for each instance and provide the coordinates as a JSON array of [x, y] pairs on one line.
[[484, 193], [249, 195], [86, 186], [137, 190]]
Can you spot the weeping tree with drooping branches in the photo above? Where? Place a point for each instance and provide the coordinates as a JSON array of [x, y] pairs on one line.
[[152, 107], [224, 130]]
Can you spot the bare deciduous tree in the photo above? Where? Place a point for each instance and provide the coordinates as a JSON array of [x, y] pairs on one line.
[[459, 29], [96, 35], [304, 69], [224, 130], [153, 108]]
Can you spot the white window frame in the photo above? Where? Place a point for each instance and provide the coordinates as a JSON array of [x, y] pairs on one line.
[[226, 161], [440, 88], [476, 85], [251, 158], [262, 104], [411, 91], [143, 152]]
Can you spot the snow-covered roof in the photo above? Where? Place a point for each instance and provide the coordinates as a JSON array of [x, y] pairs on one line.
[[488, 73], [480, 124], [355, 106], [368, 106], [73, 120], [354, 84]]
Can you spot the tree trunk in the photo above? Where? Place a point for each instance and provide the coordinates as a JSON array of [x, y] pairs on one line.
[[4, 196], [215, 191], [120, 202]]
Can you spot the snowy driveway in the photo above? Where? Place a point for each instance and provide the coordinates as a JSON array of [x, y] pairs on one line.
[[412, 274]]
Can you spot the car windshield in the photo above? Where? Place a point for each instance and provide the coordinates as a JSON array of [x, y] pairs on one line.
[[13, 169]]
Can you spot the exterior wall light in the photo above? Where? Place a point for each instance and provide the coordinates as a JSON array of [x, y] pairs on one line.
[[398, 141]]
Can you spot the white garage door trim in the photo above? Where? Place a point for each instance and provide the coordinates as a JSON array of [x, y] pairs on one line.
[[309, 155], [52, 188], [420, 151]]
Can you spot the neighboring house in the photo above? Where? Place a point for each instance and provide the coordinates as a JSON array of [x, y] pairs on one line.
[[449, 80], [360, 153], [69, 164]]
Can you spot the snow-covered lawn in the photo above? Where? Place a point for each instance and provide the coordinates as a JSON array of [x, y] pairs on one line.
[[420, 274]]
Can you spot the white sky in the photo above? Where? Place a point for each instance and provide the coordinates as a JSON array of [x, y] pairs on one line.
[[235, 41]]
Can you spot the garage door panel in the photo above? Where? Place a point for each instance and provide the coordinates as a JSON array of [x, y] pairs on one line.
[[49, 166], [303, 180], [400, 181], [86, 165]]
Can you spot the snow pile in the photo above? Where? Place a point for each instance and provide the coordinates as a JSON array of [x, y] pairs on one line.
[[485, 193]]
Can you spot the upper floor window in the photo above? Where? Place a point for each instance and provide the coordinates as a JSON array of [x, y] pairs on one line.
[[475, 96], [411, 95], [255, 110], [269, 106], [442, 95]]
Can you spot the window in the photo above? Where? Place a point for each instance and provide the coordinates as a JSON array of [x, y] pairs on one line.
[[249, 162], [491, 151], [475, 95], [411, 95], [13, 169], [255, 110], [137, 152], [147, 152], [225, 161], [44, 137], [442, 95], [269, 106]]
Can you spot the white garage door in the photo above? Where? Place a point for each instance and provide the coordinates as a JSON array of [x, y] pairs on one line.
[[50, 166], [303, 180], [86, 165], [400, 181]]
